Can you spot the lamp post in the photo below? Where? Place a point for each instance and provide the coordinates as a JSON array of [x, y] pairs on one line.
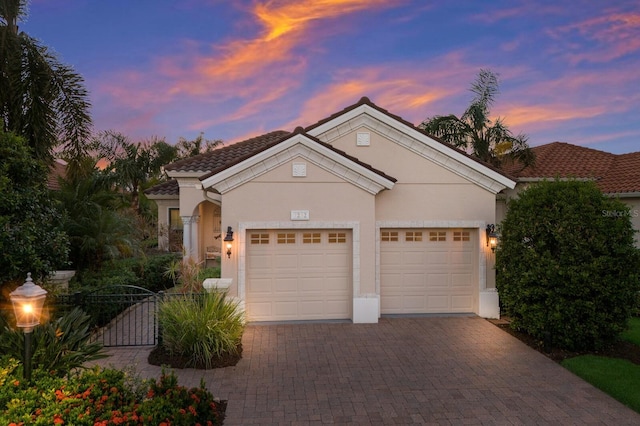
[[27, 301]]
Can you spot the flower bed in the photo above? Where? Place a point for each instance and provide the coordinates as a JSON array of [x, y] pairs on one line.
[[103, 397]]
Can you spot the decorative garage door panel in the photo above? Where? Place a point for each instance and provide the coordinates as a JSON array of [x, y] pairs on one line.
[[298, 275], [428, 270]]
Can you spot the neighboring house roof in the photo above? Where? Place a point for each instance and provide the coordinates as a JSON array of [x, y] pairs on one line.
[[613, 173], [57, 171]]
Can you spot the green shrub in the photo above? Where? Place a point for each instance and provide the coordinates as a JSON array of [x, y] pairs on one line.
[[58, 346], [102, 397], [147, 272], [153, 275], [118, 272], [567, 268], [200, 326]]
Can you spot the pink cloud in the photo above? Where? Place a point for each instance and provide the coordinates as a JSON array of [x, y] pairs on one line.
[[616, 34]]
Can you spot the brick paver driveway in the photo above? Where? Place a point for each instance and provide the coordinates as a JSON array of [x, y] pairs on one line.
[[426, 370]]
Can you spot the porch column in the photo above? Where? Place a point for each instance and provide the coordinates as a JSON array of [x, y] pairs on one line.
[[195, 238], [186, 236]]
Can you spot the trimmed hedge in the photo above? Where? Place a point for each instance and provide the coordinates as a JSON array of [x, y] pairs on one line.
[[567, 268]]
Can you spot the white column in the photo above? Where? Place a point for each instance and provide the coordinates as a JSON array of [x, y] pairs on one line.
[[195, 238], [186, 236]]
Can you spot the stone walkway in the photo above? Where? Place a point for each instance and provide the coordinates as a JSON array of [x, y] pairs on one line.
[[424, 370]]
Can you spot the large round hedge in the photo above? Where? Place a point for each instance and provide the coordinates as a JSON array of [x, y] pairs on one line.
[[567, 268]]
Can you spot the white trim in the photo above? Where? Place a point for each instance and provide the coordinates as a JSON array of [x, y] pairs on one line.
[[414, 140], [445, 224], [297, 146], [186, 175], [242, 247]]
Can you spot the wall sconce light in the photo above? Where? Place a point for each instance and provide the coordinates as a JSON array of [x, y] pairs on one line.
[[228, 239], [492, 237], [27, 301]]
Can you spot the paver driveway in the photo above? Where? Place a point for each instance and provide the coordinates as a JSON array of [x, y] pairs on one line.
[[420, 370]]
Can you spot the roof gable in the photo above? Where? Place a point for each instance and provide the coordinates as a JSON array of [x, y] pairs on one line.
[[298, 144], [613, 173], [367, 114]]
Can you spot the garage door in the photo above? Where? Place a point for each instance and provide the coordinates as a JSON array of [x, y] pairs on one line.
[[428, 270], [298, 275]]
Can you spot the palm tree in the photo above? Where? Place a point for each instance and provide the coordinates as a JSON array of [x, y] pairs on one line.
[[475, 133], [41, 99], [131, 165]]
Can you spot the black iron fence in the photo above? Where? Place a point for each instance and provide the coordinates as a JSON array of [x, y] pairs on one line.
[[122, 315]]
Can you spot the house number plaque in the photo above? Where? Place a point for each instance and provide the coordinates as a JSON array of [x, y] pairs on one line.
[[299, 214]]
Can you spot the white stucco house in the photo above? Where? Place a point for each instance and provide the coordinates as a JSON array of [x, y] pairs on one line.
[[356, 216]]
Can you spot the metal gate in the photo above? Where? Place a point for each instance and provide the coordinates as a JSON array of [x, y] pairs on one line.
[[123, 315]]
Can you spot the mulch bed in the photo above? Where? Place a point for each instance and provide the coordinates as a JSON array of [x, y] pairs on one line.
[[161, 357], [620, 349]]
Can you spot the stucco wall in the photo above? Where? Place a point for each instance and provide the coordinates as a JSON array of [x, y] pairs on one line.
[[424, 190], [268, 200], [163, 221]]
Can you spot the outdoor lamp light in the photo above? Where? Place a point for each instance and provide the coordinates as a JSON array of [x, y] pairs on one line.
[[27, 301], [228, 239], [492, 237]]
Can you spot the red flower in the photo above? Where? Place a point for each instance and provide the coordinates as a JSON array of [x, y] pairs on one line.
[[192, 410], [57, 419]]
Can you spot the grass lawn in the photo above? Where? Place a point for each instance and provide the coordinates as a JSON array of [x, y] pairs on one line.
[[633, 334], [617, 377]]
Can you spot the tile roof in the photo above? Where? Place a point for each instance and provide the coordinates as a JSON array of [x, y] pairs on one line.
[[57, 170], [215, 161], [169, 187], [223, 156], [299, 130], [613, 173]]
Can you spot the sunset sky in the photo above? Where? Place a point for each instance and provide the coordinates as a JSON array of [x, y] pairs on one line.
[[569, 69]]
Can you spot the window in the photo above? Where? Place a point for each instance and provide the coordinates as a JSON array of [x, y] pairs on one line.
[[259, 238], [286, 238], [389, 236], [438, 236], [461, 236], [337, 237], [311, 238], [413, 236], [175, 221]]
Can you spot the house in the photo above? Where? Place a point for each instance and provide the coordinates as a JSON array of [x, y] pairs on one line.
[[617, 175], [358, 215]]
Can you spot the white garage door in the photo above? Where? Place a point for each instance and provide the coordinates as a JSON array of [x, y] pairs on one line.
[[298, 275], [428, 270]]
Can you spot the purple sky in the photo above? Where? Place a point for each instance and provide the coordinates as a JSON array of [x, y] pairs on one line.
[[569, 69]]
